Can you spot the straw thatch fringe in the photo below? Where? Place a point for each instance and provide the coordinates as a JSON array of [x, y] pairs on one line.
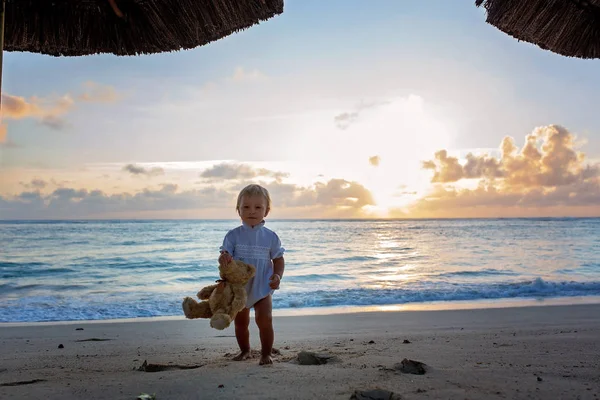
[[567, 27], [83, 27]]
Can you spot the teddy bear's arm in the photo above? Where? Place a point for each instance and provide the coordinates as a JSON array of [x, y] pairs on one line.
[[192, 309], [205, 293]]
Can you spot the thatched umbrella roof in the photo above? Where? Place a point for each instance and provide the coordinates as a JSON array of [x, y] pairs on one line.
[[567, 27], [126, 27]]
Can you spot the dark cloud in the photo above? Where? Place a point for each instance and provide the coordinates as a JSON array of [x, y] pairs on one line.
[[35, 184], [69, 194], [137, 170], [336, 197], [81, 203], [234, 171], [54, 122]]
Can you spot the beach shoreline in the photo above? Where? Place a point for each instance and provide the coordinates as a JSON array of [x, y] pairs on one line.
[[508, 352], [335, 310]]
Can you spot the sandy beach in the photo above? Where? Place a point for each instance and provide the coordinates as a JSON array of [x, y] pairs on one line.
[[549, 352]]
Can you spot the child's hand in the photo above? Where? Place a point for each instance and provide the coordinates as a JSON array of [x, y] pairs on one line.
[[225, 258], [274, 281]]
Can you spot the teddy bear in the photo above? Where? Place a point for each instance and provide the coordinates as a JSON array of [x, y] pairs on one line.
[[222, 302]]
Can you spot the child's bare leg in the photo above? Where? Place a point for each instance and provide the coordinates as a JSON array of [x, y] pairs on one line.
[[264, 320], [242, 334]]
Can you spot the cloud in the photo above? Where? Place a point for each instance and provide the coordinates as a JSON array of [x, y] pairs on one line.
[[241, 75], [487, 201], [234, 171], [343, 193], [345, 119], [374, 161], [69, 194], [547, 159], [447, 169], [35, 184], [137, 170], [47, 111], [54, 122], [61, 183], [548, 171], [337, 198], [96, 93], [3, 136], [50, 111], [334, 193], [82, 203]]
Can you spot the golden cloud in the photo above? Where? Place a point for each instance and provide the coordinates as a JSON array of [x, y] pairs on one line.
[[547, 159], [548, 171], [374, 161], [342, 193], [334, 198], [3, 132], [16, 107]]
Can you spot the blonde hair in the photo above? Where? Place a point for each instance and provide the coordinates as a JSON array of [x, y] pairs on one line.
[[253, 190]]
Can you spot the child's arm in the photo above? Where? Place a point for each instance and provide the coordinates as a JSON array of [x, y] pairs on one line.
[[226, 249], [278, 268], [278, 262]]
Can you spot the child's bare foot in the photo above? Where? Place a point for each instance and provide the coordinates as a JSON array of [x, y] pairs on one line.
[[265, 360], [244, 355]]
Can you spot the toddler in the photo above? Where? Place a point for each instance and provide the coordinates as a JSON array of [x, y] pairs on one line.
[[255, 244]]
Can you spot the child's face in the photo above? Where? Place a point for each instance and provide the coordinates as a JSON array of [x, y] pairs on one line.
[[253, 209]]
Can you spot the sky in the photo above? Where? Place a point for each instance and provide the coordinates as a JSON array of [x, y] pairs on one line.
[[341, 109]]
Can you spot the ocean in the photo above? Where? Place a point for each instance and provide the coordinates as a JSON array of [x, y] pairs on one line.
[[104, 270]]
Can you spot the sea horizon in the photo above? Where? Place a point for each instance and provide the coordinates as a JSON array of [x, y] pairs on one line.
[[296, 219]]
